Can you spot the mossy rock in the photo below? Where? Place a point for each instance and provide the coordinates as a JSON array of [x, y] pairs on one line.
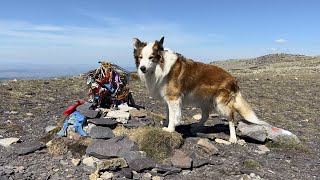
[[252, 164], [287, 145]]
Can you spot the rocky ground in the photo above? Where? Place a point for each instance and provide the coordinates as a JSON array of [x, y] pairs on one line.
[[283, 90]]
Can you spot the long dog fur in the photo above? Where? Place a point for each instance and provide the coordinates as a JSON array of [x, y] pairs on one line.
[[176, 80]]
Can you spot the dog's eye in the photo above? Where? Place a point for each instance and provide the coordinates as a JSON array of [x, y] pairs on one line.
[[151, 57], [140, 57]]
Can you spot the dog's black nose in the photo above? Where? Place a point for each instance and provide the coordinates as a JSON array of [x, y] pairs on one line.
[[143, 69]]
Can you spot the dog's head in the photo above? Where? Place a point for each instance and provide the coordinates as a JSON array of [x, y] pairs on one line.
[[147, 55]]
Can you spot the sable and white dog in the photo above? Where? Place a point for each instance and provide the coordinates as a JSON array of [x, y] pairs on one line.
[[171, 77]]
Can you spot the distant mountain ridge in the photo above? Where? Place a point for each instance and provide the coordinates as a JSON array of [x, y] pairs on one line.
[[274, 60]]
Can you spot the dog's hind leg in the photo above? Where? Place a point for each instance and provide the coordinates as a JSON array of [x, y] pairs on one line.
[[174, 109], [231, 121], [204, 117], [227, 110]]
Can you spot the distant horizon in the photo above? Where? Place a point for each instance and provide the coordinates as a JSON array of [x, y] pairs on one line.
[[45, 71], [129, 65]]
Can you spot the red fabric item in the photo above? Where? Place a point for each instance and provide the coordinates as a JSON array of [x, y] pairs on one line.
[[72, 108]]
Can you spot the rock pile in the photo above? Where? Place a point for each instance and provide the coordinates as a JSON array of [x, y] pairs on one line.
[[112, 156]]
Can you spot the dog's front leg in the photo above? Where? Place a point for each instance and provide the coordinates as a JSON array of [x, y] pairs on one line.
[[166, 122], [174, 110]]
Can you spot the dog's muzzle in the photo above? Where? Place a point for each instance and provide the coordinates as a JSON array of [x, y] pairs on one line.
[[143, 69]]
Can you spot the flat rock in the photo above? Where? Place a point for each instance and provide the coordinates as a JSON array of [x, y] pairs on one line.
[[99, 132], [197, 117], [28, 147], [198, 160], [111, 164], [138, 113], [103, 121], [180, 160], [252, 131], [138, 161], [207, 146], [281, 136], [75, 162], [142, 164], [157, 178], [50, 128], [146, 176], [6, 142], [262, 149], [106, 175], [125, 172], [125, 107], [222, 141], [110, 148], [86, 111], [88, 127], [135, 123], [90, 161], [263, 132], [119, 114], [166, 169]]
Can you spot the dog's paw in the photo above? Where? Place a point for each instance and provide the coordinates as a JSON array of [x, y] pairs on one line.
[[168, 129], [233, 140]]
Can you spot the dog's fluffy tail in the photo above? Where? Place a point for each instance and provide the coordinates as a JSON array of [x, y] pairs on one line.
[[244, 109]]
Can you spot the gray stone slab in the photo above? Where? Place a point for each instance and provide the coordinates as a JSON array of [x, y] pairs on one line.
[[103, 121], [252, 131], [114, 147], [28, 147], [99, 132], [86, 111]]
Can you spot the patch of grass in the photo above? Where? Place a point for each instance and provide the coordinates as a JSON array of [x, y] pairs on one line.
[[156, 116], [120, 130], [158, 144], [134, 76], [78, 149], [252, 164], [12, 127], [62, 145], [288, 145], [16, 94], [58, 147]]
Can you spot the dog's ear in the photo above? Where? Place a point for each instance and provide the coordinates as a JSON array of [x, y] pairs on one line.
[[136, 43], [159, 44], [161, 41]]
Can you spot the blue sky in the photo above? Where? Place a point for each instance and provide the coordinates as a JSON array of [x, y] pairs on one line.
[[83, 32]]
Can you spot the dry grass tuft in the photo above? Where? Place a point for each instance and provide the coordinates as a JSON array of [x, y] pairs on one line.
[[134, 76], [61, 146], [58, 147], [252, 164], [158, 144]]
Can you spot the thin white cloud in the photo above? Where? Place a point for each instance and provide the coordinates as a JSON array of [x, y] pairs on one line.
[[281, 41], [114, 41], [47, 28]]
